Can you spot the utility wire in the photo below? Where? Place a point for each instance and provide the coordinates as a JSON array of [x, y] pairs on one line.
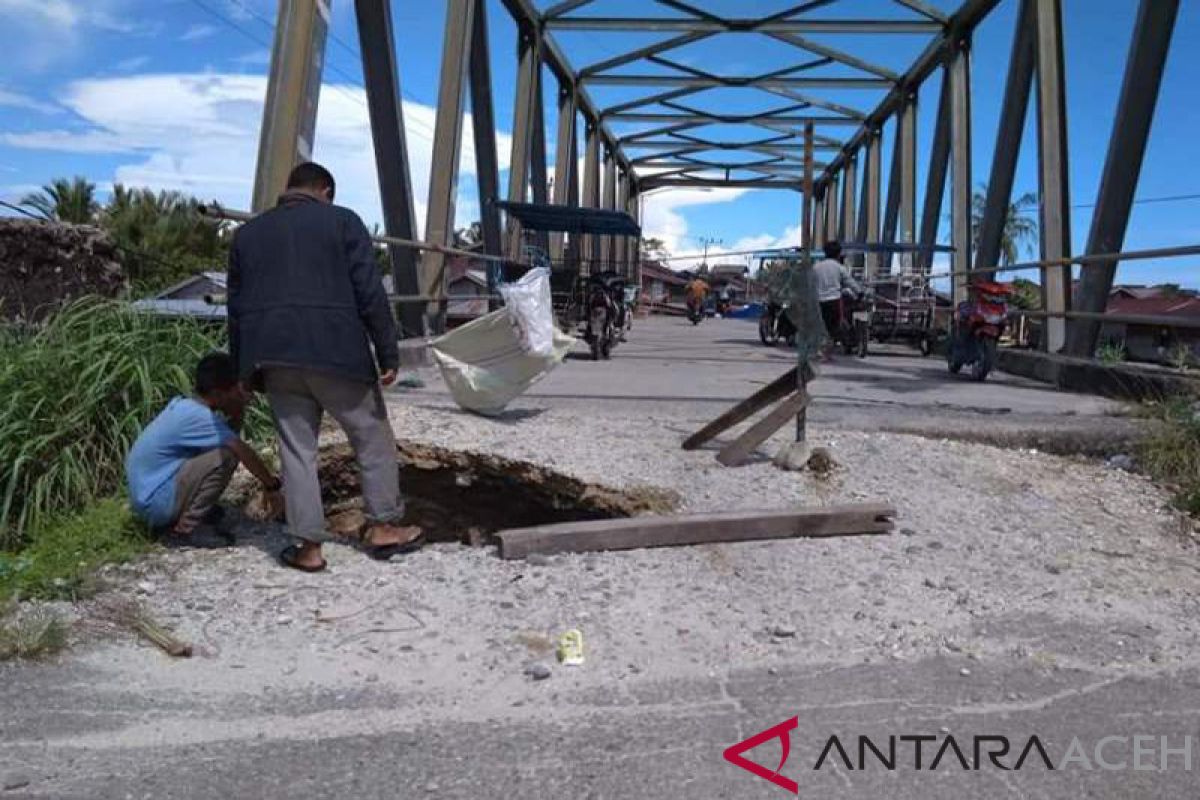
[[354, 53], [257, 40]]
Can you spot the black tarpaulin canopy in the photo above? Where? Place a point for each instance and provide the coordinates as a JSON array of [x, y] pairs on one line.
[[599, 221]]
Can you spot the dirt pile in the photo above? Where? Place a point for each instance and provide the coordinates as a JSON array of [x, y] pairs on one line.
[[45, 264]]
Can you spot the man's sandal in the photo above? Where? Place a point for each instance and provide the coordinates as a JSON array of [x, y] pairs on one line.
[[385, 552], [289, 556]]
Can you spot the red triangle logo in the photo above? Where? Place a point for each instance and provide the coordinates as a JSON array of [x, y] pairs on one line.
[[782, 732]]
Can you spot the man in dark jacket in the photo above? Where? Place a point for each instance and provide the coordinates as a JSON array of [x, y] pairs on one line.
[[306, 305]]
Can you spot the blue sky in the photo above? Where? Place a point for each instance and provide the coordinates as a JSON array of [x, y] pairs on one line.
[[168, 94]]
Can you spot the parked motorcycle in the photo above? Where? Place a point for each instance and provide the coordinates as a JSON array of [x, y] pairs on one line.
[[775, 324], [854, 329], [605, 313], [978, 325]]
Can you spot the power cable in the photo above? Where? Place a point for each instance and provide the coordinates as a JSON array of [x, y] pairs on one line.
[[355, 53], [257, 40]]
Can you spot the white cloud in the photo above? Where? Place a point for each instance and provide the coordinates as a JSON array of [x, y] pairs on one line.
[[37, 34], [17, 100], [255, 58], [133, 63], [197, 32], [199, 133], [661, 218], [55, 12]]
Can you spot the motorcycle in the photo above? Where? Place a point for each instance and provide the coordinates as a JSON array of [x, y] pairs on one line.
[[695, 311], [605, 314], [775, 324], [978, 325], [854, 325]]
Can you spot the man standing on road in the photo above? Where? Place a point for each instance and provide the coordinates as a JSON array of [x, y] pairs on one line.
[[306, 305], [832, 277]]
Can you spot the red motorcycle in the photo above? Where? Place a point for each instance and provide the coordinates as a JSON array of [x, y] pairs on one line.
[[978, 325]]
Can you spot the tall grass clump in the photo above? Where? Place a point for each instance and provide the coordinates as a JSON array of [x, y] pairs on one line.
[[76, 394], [1171, 454]]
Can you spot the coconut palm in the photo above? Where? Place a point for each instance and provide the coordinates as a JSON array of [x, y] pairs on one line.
[[1020, 227], [162, 236], [65, 200]]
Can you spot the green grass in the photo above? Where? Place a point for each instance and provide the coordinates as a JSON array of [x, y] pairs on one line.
[[62, 554], [77, 393], [1171, 454], [1110, 354]]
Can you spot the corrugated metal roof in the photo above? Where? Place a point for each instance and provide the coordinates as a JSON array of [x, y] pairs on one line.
[[572, 220], [197, 309]]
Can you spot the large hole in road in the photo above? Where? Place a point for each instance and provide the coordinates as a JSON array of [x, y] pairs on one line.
[[458, 496]]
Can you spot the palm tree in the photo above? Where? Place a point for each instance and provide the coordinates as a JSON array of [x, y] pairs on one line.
[[162, 236], [1020, 228], [65, 200]]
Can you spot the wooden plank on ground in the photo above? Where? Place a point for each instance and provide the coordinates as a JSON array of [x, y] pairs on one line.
[[739, 450], [778, 389], [691, 529]]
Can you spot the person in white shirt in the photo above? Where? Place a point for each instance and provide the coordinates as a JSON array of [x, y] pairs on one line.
[[832, 277]]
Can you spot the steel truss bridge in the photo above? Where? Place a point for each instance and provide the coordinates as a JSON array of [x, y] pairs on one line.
[[828, 152]]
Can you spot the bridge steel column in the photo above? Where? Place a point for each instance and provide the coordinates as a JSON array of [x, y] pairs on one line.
[[831, 206], [386, 110], [591, 188], [1053, 171], [633, 207], [608, 244], [858, 261], [564, 163], [960, 165], [538, 179], [874, 192], [935, 186], [818, 221], [891, 212], [807, 234], [621, 243], [849, 223], [487, 167], [1123, 164], [447, 146], [293, 91], [1013, 110], [524, 109], [907, 128]]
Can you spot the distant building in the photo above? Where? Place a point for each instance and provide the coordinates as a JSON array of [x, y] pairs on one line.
[[1154, 343], [201, 296], [662, 287]]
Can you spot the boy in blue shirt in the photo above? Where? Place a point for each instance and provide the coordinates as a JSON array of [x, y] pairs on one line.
[[181, 463]]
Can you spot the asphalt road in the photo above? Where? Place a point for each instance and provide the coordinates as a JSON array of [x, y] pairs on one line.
[[649, 740], [703, 369], [68, 730]]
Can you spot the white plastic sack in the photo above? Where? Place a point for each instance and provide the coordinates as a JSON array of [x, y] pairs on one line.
[[528, 302], [485, 364]]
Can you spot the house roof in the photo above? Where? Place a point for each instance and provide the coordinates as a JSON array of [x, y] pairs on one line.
[[728, 269], [218, 279], [1177, 306], [659, 272], [181, 308]]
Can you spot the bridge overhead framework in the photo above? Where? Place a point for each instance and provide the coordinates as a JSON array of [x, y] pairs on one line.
[[827, 151]]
